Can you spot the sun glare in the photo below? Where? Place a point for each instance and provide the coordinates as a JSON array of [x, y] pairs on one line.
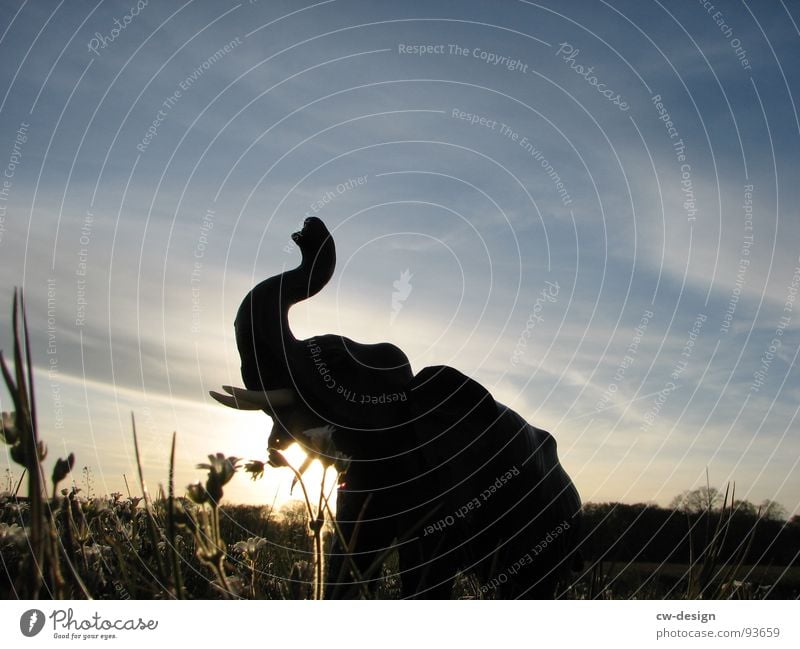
[[316, 477]]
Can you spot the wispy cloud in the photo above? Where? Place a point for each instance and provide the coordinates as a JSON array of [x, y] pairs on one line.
[[480, 184]]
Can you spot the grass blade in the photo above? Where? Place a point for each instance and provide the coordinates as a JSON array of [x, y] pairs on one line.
[[151, 522], [177, 577]]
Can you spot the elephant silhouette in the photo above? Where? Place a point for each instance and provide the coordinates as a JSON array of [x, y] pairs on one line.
[[438, 469]]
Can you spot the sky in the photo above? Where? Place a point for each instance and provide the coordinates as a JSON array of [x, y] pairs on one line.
[[589, 207]]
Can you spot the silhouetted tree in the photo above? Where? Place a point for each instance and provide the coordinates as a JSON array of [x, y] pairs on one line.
[[697, 500], [772, 511], [744, 508]]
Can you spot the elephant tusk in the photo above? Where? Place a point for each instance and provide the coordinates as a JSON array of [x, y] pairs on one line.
[[232, 402], [266, 400]]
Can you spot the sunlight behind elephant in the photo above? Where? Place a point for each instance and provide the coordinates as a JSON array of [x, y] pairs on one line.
[[315, 478]]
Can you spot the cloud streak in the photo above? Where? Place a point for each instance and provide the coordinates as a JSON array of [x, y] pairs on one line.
[[198, 137]]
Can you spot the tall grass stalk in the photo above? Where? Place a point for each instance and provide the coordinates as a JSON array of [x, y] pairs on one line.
[[148, 507], [42, 565], [316, 523], [175, 561], [708, 574]]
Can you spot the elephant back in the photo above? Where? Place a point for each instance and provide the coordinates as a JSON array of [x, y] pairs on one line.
[[493, 483], [538, 513], [453, 426]]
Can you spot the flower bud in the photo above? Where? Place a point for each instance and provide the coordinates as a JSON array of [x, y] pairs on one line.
[[196, 493], [62, 468], [8, 428]]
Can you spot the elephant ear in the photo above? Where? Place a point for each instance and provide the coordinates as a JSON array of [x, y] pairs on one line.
[[359, 387]]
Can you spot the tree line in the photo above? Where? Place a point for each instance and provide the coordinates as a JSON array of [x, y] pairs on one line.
[[740, 531]]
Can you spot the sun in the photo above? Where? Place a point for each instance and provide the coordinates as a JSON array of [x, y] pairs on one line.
[[296, 456], [275, 488], [316, 479], [243, 434]]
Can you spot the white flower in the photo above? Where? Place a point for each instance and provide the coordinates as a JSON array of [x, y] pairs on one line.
[[12, 535], [250, 547], [319, 441]]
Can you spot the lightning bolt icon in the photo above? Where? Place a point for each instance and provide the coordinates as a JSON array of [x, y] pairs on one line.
[[32, 621]]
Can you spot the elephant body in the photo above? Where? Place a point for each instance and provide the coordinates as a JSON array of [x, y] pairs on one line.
[[468, 486]]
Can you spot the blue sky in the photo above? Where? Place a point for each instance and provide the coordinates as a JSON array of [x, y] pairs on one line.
[[158, 170]]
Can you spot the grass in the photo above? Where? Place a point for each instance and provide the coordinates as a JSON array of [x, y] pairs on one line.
[[650, 580]]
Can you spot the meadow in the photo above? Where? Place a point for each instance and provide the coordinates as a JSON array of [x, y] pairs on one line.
[[112, 547]]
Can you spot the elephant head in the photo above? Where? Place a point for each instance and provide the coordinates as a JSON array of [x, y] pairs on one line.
[[343, 383], [439, 469]]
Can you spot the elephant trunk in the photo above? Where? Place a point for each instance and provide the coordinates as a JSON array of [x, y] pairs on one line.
[[263, 336]]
